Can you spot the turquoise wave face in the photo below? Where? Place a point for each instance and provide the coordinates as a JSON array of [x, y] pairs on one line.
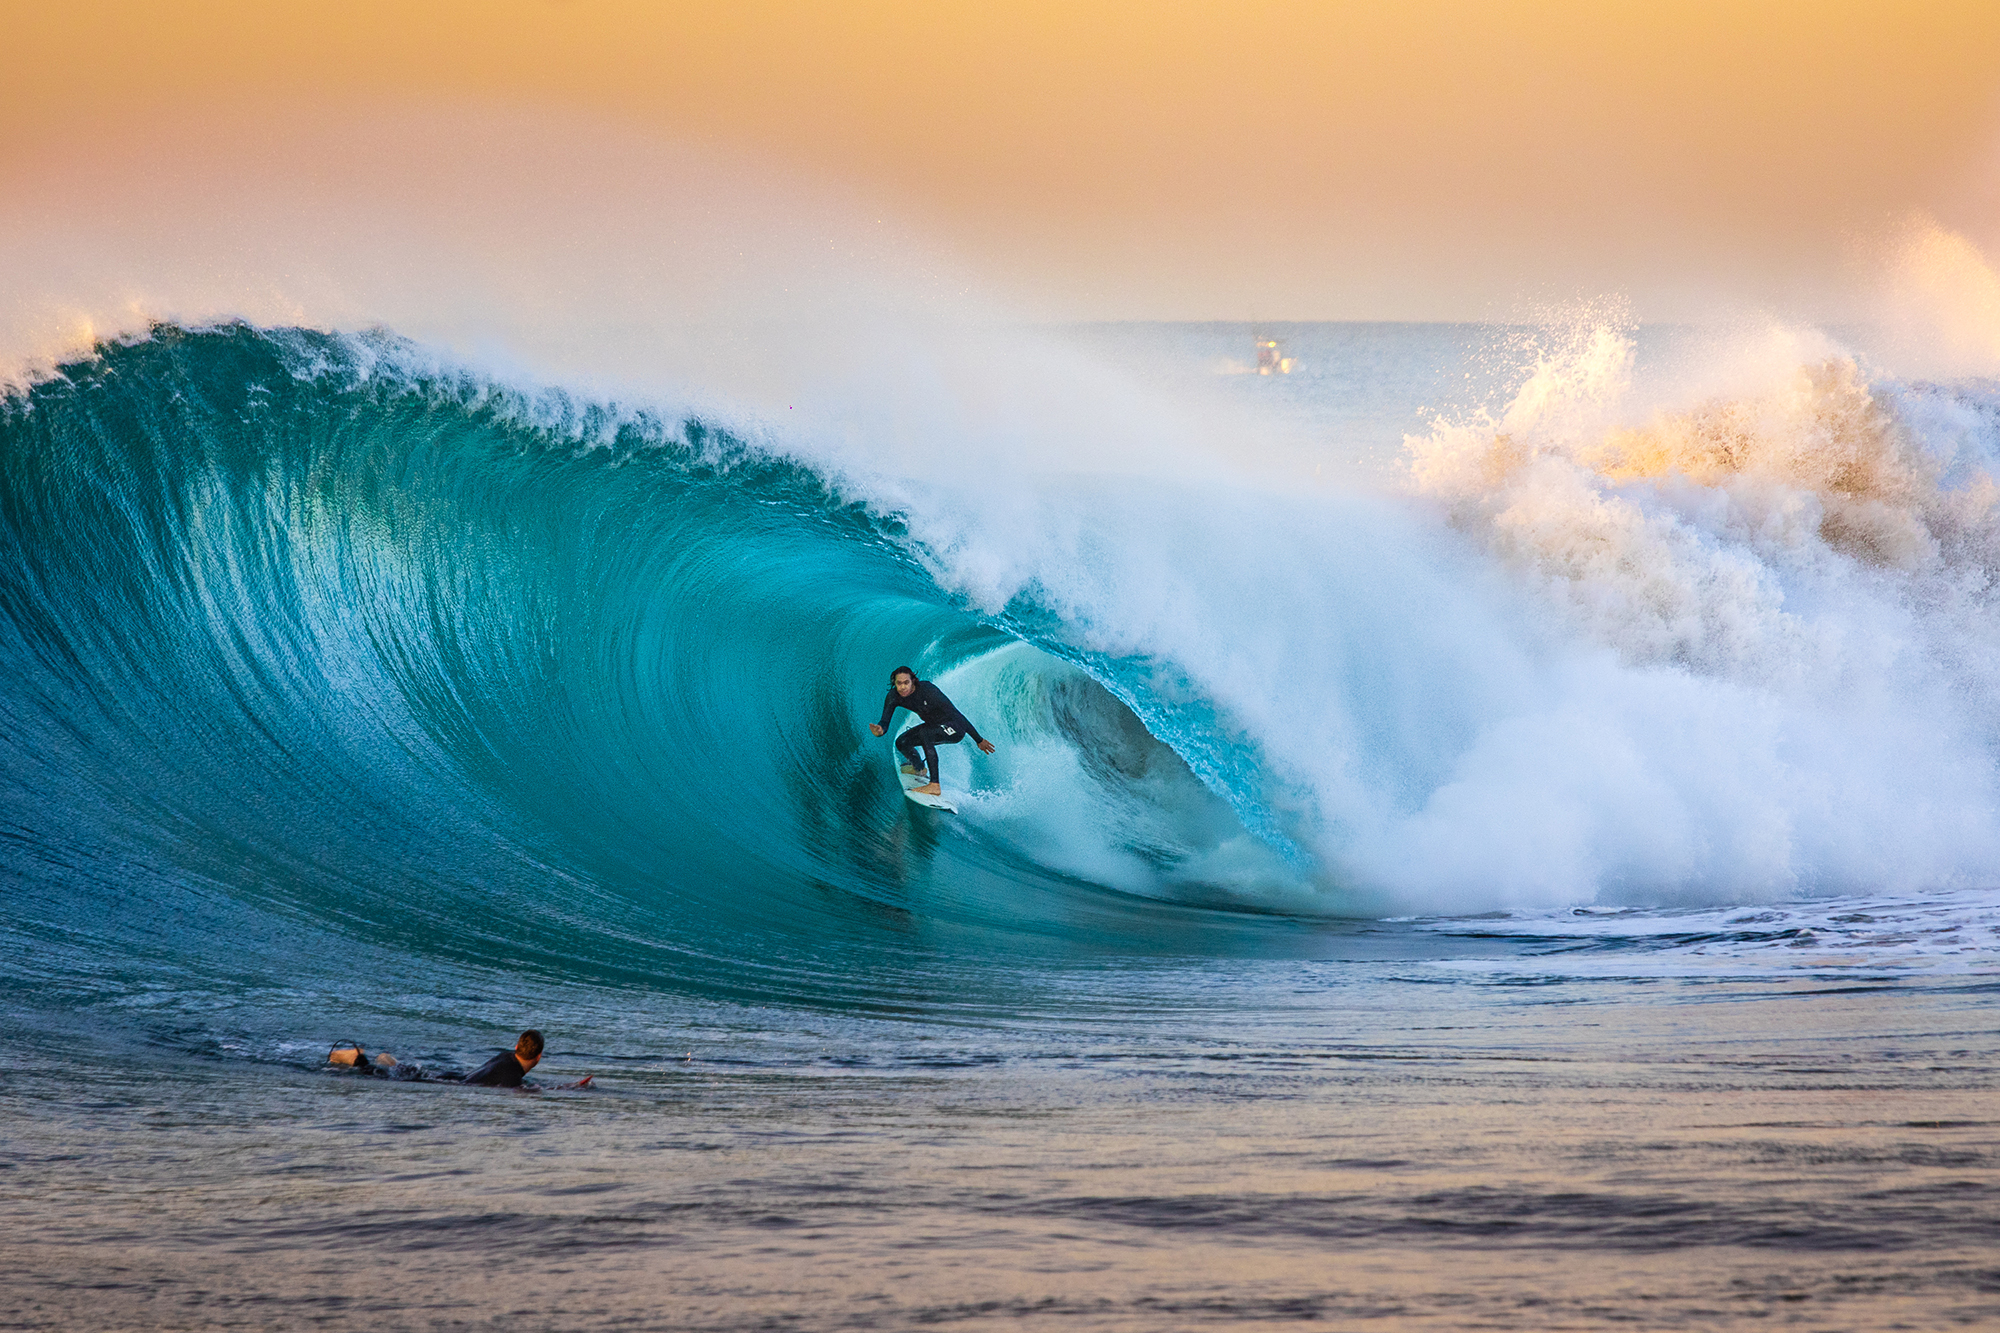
[[307, 652]]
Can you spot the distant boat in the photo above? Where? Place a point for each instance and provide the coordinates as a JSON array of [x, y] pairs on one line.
[[1271, 358]]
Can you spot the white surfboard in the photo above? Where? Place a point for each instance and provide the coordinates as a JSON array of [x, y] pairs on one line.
[[910, 784]]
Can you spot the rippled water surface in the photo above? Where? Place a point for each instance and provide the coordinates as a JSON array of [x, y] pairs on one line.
[[1323, 1144]]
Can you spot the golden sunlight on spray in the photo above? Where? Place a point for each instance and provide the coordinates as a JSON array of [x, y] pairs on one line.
[[1641, 530], [1943, 303]]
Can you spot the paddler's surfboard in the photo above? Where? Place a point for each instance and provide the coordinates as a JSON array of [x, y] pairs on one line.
[[911, 782]]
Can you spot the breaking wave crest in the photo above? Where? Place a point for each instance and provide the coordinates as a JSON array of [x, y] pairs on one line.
[[319, 632]]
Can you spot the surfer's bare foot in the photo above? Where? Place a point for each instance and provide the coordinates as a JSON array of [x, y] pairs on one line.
[[928, 789]]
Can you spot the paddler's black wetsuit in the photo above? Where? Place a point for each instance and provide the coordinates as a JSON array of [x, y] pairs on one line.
[[502, 1071], [942, 724]]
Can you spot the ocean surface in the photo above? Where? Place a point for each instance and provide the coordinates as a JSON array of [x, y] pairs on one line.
[[1496, 828]]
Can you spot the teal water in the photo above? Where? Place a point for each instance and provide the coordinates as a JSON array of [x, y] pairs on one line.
[[1357, 915]]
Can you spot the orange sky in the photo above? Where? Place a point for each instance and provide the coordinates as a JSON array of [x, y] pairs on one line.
[[1167, 160]]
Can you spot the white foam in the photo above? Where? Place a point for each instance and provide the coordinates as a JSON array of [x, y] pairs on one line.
[[1731, 652], [1911, 937], [1720, 636]]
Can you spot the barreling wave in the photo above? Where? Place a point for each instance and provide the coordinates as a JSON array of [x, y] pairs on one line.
[[312, 642], [305, 632]]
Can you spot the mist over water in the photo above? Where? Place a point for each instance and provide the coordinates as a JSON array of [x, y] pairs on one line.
[[1577, 645], [1500, 799], [1452, 619]]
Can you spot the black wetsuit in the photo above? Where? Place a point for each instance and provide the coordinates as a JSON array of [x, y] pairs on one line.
[[942, 724], [502, 1071]]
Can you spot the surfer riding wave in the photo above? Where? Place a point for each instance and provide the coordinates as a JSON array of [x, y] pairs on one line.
[[942, 724]]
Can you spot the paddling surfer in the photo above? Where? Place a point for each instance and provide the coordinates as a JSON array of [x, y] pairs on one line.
[[942, 724], [508, 1069]]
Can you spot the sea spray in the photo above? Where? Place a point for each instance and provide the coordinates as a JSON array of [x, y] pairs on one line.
[[1725, 649]]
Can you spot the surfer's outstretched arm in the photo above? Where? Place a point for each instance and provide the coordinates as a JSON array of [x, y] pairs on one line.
[[985, 746], [902, 684], [888, 711]]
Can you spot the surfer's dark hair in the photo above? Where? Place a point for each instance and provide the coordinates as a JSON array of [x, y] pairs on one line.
[[900, 671], [530, 1044]]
